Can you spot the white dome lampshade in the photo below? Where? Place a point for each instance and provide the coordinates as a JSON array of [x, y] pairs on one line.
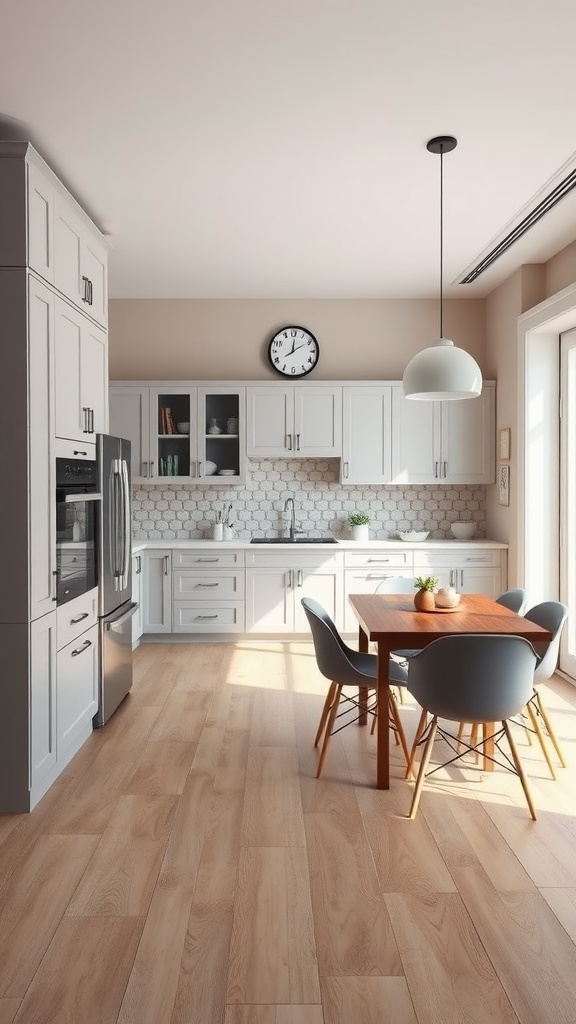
[[442, 373]]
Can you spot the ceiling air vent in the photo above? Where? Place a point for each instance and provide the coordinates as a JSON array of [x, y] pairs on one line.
[[553, 193]]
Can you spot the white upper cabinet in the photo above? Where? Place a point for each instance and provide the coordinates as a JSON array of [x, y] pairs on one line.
[[303, 421], [443, 442], [80, 262], [41, 202], [366, 435], [81, 365]]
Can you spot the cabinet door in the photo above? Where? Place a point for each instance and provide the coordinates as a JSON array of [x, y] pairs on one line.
[[270, 422], [43, 747], [77, 700], [173, 447], [68, 251], [94, 376], [366, 435], [220, 434], [130, 418], [269, 600], [41, 201], [479, 581], [138, 617], [41, 482], [416, 429], [94, 269], [468, 439], [157, 591], [318, 421], [367, 581], [81, 362], [322, 584]]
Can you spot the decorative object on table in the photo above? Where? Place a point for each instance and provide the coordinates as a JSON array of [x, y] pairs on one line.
[[424, 596], [504, 484], [414, 536], [293, 351], [463, 531], [504, 444], [183, 428], [359, 523], [442, 372], [232, 425], [446, 597], [209, 468], [214, 426]]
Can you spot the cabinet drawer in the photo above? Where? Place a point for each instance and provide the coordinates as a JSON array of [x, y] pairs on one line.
[[293, 559], [75, 617], [379, 559], [209, 559], [200, 617], [459, 558], [208, 585]]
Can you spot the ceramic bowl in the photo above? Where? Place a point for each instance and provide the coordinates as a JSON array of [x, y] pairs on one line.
[[463, 531], [227, 472], [412, 536], [209, 468], [446, 598], [183, 428]]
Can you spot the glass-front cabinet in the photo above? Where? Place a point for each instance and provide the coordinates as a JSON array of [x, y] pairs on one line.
[[181, 434]]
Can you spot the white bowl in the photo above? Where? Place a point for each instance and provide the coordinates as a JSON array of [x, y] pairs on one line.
[[227, 472], [446, 598], [209, 468], [463, 531], [183, 428], [414, 535]]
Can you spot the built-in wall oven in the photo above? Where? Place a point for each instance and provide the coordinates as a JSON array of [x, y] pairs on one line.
[[77, 512]]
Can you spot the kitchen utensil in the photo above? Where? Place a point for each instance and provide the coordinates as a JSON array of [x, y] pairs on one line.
[[413, 536]]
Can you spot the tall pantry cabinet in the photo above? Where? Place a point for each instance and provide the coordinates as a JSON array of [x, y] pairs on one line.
[[53, 387]]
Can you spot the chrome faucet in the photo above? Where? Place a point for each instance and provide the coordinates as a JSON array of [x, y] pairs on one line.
[[289, 504]]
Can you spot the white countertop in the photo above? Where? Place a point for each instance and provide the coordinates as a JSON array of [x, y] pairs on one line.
[[350, 545]]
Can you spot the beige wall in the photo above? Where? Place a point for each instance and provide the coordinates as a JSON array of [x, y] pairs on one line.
[[204, 339], [561, 270]]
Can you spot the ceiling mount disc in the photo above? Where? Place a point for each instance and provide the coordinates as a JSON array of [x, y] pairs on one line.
[[442, 144]]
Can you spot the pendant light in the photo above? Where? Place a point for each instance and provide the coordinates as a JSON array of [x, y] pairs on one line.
[[442, 372]]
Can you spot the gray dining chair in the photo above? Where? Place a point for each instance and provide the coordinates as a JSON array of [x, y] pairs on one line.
[[479, 679], [552, 615], [515, 600], [345, 667]]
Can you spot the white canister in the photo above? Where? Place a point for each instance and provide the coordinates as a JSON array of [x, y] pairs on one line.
[[217, 531], [228, 533], [360, 532]]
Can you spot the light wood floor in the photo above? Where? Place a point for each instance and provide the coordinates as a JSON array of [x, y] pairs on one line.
[[188, 868]]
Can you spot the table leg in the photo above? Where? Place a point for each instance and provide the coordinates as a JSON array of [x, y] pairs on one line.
[[383, 733], [362, 647]]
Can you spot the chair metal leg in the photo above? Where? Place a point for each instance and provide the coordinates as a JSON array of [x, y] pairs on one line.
[[519, 769], [329, 727], [419, 733], [549, 729], [540, 735], [325, 711], [398, 727], [423, 767]]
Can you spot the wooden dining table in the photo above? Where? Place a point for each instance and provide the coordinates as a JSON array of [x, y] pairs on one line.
[[392, 623]]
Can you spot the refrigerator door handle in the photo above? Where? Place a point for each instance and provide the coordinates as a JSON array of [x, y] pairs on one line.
[[117, 624], [127, 526], [116, 520]]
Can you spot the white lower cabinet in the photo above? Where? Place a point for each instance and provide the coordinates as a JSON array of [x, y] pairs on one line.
[[77, 698], [473, 571], [43, 748], [276, 583], [157, 587], [137, 591], [366, 571]]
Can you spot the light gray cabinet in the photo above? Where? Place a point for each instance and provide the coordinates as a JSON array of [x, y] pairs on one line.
[[157, 591], [302, 421]]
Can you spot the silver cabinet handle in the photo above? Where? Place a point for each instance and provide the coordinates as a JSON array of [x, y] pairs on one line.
[[297, 442], [207, 584], [138, 564], [79, 618], [207, 559], [300, 578], [206, 616], [144, 469], [55, 580], [290, 575], [451, 580], [346, 464], [461, 577], [85, 425], [166, 561], [445, 473], [80, 650], [436, 470], [482, 558], [289, 442], [378, 559], [85, 290], [151, 469]]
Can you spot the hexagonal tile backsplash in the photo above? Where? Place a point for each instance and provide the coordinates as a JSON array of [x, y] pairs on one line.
[[170, 512]]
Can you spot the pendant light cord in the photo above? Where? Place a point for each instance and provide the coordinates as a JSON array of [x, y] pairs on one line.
[[441, 234]]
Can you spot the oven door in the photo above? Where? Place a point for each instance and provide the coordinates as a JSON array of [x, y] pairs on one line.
[[76, 564]]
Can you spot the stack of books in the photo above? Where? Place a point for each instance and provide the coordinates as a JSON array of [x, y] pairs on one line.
[[167, 424], [168, 466]]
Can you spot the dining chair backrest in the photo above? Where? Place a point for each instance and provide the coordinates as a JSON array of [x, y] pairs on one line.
[[469, 678], [330, 649], [551, 615], [396, 585], [515, 600]]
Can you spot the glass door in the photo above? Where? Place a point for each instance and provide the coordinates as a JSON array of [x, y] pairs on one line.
[[568, 498], [221, 448], [172, 433]]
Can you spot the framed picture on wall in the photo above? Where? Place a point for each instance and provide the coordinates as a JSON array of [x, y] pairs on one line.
[[504, 444], [504, 485]]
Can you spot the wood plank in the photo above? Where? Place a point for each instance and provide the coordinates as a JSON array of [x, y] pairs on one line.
[[181, 719], [367, 1000], [274, 1015], [273, 805], [8, 1010], [563, 904], [162, 768]]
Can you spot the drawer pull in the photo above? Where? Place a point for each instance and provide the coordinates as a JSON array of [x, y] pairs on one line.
[[378, 559], [481, 559], [207, 559], [206, 616], [80, 650], [207, 584], [79, 618]]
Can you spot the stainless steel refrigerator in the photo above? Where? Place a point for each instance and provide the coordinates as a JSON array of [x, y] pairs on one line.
[[116, 607]]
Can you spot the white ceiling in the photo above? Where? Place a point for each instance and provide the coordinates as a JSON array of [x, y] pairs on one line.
[[277, 148]]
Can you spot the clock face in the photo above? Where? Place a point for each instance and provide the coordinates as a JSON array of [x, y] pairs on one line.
[[293, 351]]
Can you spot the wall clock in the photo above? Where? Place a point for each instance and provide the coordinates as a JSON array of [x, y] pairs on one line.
[[293, 351]]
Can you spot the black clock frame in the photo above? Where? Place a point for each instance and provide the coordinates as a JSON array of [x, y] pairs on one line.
[[293, 327]]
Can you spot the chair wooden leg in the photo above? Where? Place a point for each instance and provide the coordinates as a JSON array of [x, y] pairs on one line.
[[549, 729], [374, 721], [325, 711], [399, 728], [519, 769], [540, 735], [329, 727], [423, 767], [419, 733]]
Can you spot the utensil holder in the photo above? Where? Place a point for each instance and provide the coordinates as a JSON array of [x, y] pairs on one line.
[[228, 533], [217, 531]]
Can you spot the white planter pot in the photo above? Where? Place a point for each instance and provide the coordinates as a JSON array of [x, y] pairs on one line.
[[360, 532]]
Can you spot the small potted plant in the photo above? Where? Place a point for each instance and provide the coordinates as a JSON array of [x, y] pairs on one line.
[[359, 522], [426, 587]]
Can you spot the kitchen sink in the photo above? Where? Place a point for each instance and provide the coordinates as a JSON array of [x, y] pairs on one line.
[[297, 540]]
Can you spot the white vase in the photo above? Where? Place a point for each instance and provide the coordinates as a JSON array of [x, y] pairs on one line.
[[360, 532]]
